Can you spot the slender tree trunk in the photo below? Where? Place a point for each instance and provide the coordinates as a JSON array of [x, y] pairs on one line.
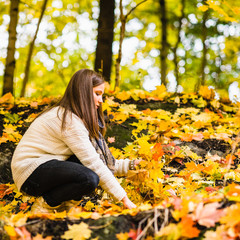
[[30, 52], [202, 79], [103, 60], [10, 60], [123, 19], [122, 34], [204, 56], [164, 44], [175, 59]]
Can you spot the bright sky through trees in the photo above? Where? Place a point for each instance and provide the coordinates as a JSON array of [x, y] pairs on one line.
[[84, 37]]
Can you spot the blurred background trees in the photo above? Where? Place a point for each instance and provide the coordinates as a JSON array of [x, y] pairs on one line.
[[182, 44]]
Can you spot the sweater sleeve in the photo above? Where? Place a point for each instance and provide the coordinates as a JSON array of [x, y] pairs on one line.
[[121, 167], [76, 138]]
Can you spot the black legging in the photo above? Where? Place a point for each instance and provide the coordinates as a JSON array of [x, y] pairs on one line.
[[59, 181]]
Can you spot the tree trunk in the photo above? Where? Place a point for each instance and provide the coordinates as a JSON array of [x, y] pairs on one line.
[[10, 60], [122, 34], [103, 60], [175, 59], [123, 19], [204, 56], [30, 52], [164, 48], [202, 80]]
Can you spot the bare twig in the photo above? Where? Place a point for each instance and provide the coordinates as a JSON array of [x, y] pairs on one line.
[[101, 226], [142, 234], [31, 222], [165, 222], [134, 8], [233, 149], [140, 225], [155, 222]]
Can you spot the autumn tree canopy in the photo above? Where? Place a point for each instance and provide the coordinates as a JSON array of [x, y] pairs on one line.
[[183, 44]]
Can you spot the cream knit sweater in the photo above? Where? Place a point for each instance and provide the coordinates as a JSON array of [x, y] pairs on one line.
[[44, 141]]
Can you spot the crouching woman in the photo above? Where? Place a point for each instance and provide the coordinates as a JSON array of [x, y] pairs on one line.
[[63, 155]]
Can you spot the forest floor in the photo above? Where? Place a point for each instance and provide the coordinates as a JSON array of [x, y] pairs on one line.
[[186, 187]]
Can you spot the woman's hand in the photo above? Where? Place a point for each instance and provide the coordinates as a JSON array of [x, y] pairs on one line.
[[136, 162], [128, 203]]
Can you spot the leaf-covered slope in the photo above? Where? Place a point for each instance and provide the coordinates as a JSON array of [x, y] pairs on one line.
[[186, 185]]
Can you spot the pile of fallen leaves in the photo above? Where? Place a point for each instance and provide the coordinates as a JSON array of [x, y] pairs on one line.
[[186, 186]]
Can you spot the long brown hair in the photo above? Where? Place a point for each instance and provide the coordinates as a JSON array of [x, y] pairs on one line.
[[78, 99]]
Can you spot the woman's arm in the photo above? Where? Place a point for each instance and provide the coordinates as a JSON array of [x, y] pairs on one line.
[[76, 137]]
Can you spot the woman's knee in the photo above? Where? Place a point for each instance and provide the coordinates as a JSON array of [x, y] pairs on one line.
[[93, 180]]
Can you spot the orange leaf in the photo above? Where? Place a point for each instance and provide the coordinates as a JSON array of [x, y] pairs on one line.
[[40, 237], [7, 100], [122, 236], [111, 139], [187, 137], [23, 206], [232, 216], [4, 190], [230, 157], [188, 230], [206, 92], [158, 151], [233, 192], [192, 167]]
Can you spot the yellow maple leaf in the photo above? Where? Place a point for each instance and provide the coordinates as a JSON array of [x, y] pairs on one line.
[[138, 176], [201, 103], [137, 93], [160, 92], [109, 103], [7, 99], [40, 237], [89, 206], [10, 231], [145, 147], [122, 236], [171, 231], [203, 8], [117, 153], [78, 232], [123, 95], [207, 93], [120, 117], [9, 128], [232, 216]]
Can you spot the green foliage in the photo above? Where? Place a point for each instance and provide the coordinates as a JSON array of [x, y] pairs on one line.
[[60, 48]]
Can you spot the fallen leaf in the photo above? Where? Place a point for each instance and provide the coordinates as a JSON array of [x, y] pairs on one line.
[[207, 215], [77, 232], [187, 227], [40, 237], [232, 215], [23, 233], [111, 139], [122, 236]]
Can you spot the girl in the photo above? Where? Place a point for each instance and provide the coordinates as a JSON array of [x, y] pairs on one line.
[[63, 155]]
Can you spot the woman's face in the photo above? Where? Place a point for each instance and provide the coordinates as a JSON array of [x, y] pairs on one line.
[[97, 94]]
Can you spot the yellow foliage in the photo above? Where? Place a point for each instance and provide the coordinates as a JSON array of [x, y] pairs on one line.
[[10, 231], [122, 236], [77, 232], [160, 92]]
